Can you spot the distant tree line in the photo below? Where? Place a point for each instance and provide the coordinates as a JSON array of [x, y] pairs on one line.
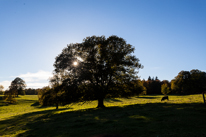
[[186, 82], [31, 91], [27, 91], [189, 82], [153, 86]]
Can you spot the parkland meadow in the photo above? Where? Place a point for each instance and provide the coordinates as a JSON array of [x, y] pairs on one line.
[[139, 116]]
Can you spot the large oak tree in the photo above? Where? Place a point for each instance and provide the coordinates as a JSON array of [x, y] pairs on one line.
[[103, 64]]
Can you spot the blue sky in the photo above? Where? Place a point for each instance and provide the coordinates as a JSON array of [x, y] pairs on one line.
[[168, 35]]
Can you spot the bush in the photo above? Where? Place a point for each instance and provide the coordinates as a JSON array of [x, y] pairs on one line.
[[165, 89], [9, 96], [1, 93]]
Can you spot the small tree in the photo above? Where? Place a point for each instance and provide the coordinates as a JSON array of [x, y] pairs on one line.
[[43, 95], [55, 83], [18, 85], [1, 89], [203, 95], [9, 96], [165, 89]]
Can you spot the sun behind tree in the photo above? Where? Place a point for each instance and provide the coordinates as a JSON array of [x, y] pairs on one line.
[[108, 66], [75, 63]]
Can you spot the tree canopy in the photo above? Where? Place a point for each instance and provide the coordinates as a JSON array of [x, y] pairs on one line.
[[104, 65], [17, 86], [1, 88], [165, 89], [189, 82]]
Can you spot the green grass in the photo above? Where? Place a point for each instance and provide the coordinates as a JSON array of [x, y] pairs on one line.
[[144, 116]]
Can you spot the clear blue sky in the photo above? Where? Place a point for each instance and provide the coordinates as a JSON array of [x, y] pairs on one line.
[[168, 35]]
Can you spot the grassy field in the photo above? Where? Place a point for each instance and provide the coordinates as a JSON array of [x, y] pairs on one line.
[[144, 116]]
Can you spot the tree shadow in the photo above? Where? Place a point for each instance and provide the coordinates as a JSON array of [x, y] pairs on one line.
[[25, 100], [152, 119], [6, 103], [19, 96], [148, 97], [180, 94], [35, 104], [21, 122], [3, 102], [112, 100]]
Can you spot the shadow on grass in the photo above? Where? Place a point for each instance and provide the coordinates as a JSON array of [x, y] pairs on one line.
[[2, 103], [148, 97], [25, 101], [35, 104], [155, 119], [19, 96], [112, 100], [5, 103], [21, 122]]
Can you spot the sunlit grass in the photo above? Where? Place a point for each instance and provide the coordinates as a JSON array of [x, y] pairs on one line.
[[23, 105], [27, 103], [136, 116]]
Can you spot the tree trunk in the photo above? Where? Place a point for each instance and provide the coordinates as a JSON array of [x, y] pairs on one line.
[[17, 93], [100, 96], [57, 105], [100, 102], [203, 95]]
